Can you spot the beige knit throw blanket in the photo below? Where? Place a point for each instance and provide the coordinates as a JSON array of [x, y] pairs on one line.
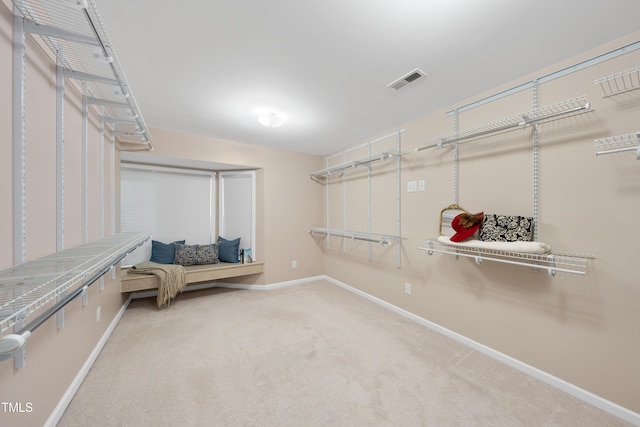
[[171, 279]]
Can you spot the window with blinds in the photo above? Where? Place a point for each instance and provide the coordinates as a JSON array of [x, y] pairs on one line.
[[170, 203], [237, 208]]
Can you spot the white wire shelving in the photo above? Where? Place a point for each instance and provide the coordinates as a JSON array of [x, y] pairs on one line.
[[382, 239], [382, 149], [552, 262], [77, 38], [615, 84], [322, 174], [621, 82], [517, 121], [27, 287], [618, 144]]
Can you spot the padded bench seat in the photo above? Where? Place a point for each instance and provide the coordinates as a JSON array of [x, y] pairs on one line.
[[195, 274]]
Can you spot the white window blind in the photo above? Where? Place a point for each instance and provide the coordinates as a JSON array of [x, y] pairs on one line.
[[170, 203], [237, 208]]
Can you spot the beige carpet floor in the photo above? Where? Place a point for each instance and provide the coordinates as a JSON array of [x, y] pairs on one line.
[[306, 355]]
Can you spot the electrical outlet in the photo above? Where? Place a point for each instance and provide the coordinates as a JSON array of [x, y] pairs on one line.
[[421, 185], [294, 264], [407, 288]]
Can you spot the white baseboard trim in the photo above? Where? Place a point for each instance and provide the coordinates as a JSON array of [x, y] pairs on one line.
[[575, 391], [64, 402]]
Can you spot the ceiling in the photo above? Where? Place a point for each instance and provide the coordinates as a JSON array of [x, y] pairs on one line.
[[212, 68]]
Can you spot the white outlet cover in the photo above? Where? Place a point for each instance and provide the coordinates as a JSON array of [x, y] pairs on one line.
[[407, 288]]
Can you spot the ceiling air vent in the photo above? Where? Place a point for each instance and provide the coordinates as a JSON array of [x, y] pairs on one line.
[[406, 79]]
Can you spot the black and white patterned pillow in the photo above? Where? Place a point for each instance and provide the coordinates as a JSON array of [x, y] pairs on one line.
[[196, 254], [506, 228]]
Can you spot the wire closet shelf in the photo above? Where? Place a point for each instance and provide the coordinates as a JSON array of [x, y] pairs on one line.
[[78, 41], [517, 121], [30, 286], [614, 84], [552, 262], [621, 82], [618, 144]]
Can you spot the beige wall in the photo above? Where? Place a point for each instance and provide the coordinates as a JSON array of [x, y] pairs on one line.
[[582, 329], [54, 357]]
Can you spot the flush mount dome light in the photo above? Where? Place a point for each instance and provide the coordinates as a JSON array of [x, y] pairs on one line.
[[271, 120]]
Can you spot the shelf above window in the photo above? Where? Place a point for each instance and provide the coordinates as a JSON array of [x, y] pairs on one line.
[[518, 121], [324, 173], [27, 287], [382, 239], [552, 262]]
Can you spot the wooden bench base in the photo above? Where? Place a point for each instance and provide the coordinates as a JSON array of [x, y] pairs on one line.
[[195, 274]]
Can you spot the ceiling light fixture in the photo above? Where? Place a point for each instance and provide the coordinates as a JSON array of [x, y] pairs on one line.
[[271, 120]]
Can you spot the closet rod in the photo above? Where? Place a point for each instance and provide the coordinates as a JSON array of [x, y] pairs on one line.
[[616, 150], [368, 239], [347, 235], [475, 135]]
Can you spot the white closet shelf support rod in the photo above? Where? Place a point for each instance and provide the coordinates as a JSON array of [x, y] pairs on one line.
[[616, 150], [128, 133], [119, 121], [107, 102], [58, 33], [79, 75], [382, 240]]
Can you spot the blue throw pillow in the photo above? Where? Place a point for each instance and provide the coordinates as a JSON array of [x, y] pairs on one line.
[[163, 253], [228, 250]]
